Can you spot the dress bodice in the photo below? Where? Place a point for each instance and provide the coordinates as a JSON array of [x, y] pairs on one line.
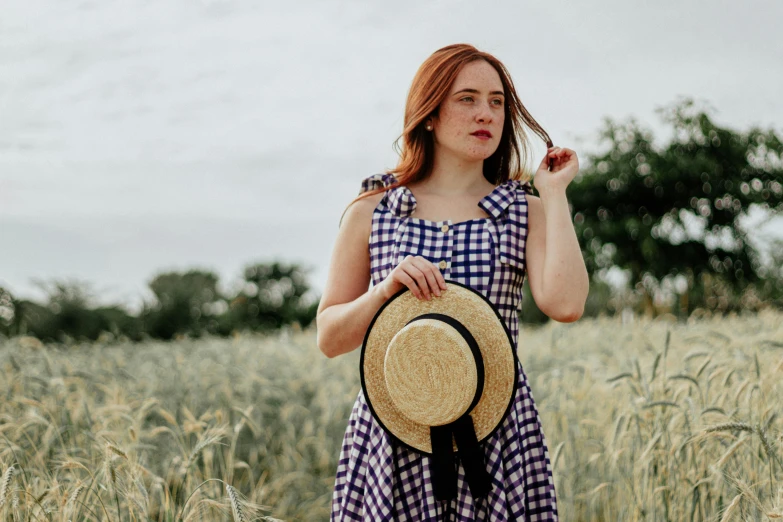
[[487, 254]]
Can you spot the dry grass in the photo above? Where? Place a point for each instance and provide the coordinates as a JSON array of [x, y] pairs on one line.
[[650, 421]]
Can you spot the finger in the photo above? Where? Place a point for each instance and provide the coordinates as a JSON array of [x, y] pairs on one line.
[[439, 277], [544, 162], [441, 280], [418, 275], [408, 281], [429, 270]]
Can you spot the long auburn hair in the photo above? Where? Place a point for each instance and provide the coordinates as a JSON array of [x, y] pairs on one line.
[[429, 88]]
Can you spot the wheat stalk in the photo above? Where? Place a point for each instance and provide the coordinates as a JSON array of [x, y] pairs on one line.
[[730, 451], [117, 451], [767, 446], [236, 506], [111, 474], [74, 496], [731, 509], [200, 510], [729, 426], [5, 486], [209, 437]]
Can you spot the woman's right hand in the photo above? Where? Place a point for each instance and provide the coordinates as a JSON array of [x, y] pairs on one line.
[[420, 275]]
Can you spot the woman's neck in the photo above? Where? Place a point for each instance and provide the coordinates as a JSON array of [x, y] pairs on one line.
[[454, 176]]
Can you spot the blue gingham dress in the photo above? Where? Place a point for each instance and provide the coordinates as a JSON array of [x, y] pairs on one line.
[[379, 480]]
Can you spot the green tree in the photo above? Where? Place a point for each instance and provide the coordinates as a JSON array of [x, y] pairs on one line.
[[12, 314], [273, 295], [70, 303], [662, 212], [70, 312], [186, 303]]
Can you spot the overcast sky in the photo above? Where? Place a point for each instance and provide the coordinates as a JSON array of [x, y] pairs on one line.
[[141, 136]]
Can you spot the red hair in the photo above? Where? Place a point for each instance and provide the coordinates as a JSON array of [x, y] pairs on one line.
[[429, 88]]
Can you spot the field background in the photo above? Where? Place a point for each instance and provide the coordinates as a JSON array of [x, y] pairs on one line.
[[647, 420]]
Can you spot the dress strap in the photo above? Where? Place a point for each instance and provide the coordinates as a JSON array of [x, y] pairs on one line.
[[372, 182], [513, 228], [377, 181]]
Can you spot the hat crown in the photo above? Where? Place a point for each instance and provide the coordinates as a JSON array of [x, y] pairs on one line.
[[464, 309], [430, 372]]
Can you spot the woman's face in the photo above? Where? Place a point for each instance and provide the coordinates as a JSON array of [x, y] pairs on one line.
[[475, 103]]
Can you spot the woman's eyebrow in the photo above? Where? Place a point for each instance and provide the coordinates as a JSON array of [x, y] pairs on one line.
[[475, 91]]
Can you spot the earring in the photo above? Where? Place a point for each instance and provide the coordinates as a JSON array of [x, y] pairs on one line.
[[429, 127]]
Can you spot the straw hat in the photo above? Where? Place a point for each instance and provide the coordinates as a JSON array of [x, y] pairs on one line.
[[440, 377]]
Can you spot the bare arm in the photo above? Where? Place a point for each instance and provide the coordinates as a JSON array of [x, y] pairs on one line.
[[556, 269], [341, 327], [347, 306]]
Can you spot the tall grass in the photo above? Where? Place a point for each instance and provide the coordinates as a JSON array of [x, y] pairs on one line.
[[661, 421], [646, 421]]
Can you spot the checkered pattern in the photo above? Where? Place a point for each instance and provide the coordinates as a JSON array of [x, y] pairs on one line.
[[379, 480]]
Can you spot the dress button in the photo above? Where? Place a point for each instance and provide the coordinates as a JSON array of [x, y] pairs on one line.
[[442, 264], [445, 228]]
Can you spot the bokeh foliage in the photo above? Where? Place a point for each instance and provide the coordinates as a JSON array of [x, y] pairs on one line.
[[661, 212]]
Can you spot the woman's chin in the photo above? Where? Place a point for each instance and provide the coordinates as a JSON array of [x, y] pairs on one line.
[[473, 154], [477, 155]]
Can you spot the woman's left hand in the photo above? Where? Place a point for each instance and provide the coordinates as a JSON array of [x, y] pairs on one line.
[[566, 166]]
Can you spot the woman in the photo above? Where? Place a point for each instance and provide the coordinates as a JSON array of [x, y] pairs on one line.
[[420, 224]]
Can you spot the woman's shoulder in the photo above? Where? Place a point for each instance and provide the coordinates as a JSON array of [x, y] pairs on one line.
[[361, 210], [527, 200]]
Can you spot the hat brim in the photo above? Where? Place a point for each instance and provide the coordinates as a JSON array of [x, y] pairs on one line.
[[495, 342]]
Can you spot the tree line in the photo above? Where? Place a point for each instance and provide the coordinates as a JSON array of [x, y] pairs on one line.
[[190, 303]]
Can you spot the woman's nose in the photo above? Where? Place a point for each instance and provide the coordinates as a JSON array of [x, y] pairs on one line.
[[484, 113]]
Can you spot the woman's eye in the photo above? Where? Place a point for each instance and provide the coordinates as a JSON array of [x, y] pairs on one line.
[[498, 102]]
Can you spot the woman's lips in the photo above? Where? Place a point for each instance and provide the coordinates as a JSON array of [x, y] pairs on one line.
[[482, 134]]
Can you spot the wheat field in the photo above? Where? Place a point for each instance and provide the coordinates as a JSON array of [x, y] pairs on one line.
[[649, 420]]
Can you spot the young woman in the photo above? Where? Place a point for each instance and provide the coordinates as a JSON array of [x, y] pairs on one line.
[[458, 206]]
